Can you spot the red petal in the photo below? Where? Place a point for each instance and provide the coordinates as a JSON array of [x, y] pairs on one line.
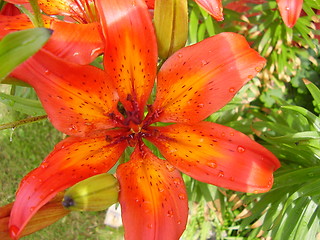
[[218, 155], [290, 11], [150, 3], [200, 79], [72, 42], [72, 160], [213, 7], [78, 99], [18, 1], [131, 51], [153, 198], [10, 10], [19, 22]]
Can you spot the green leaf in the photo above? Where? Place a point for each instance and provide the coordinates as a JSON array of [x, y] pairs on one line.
[[17, 47], [23, 105]]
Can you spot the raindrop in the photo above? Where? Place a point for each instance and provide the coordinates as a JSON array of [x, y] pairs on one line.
[[287, 8], [94, 51], [177, 181], [181, 196], [170, 167], [134, 3], [240, 149], [178, 222], [201, 105], [221, 174], [14, 230], [32, 209], [11, 134], [232, 90], [258, 69], [73, 129], [46, 72], [44, 165], [76, 54], [150, 225], [160, 189], [211, 164], [170, 213], [204, 62], [180, 55], [231, 133]]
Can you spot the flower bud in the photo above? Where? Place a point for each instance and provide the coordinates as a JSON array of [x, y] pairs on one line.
[[93, 194], [171, 24]]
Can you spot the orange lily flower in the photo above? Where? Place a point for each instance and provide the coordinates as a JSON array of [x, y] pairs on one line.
[[69, 40], [83, 102], [290, 11], [213, 7]]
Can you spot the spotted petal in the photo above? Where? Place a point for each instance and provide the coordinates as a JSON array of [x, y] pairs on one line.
[[290, 11], [78, 43], [130, 50], [218, 155], [72, 160], [200, 79], [153, 198], [213, 7], [78, 99]]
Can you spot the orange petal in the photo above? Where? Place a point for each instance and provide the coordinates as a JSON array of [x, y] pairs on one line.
[[290, 11], [131, 51], [218, 155], [200, 79], [47, 215], [78, 99], [213, 7], [152, 196], [10, 10], [10, 24], [73, 160], [72, 42]]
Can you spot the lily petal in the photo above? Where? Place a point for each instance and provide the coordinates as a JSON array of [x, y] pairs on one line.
[[213, 7], [200, 79], [218, 155], [10, 10], [72, 42], [74, 159], [78, 99], [131, 51], [10, 24], [290, 11], [152, 196]]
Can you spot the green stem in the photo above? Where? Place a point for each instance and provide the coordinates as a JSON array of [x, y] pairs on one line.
[[37, 14], [22, 122]]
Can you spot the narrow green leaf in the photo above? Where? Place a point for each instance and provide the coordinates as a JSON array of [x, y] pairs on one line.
[[17, 47], [23, 105]]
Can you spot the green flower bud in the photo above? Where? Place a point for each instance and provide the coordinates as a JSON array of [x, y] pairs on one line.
[[93, 194]]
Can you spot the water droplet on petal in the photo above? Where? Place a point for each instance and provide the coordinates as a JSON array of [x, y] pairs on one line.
[[211, 164], [250, 76], [133, 3], [44, 165], [76, 54], [177, 181], [201, 105], [170, 213], [258, 69], [221, 174], [150, 225], [14, 231], [180, 55], [240, 149], [32, 209], [287, 8], [178, 222], [73, 129], [170, 167], [46, 72], [181, 196], [232, 90], [160, 189], [204, 62], [94, 51]]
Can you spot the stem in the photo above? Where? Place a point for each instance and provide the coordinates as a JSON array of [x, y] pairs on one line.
[[22, 122], [37, 14]]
